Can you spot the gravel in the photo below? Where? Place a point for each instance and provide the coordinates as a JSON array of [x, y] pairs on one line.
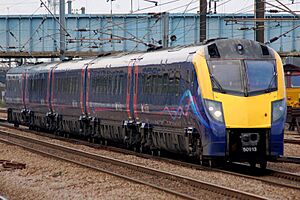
[[239, 183], [289, 150], [47, 178], [292, 150], [292, 135], [3, 115]]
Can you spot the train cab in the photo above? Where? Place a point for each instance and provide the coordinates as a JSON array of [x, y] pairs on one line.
[[292, 81]]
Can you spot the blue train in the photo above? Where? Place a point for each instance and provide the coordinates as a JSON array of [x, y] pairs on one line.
[[222, 100]]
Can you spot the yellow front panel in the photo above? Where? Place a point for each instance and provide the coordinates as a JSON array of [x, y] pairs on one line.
[[203, 77], [280, 77], [247, 112], [240, 111]]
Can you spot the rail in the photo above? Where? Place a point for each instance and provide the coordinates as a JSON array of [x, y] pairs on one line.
[[292, 141], [177, 185], [288, 159], [267, 176]]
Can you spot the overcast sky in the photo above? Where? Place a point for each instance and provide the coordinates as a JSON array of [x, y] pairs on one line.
[[10, 7]]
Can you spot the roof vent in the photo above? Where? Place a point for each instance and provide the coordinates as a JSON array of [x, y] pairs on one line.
[[213, 51], [265, 50]]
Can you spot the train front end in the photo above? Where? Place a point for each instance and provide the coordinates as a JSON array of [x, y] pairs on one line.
[[243, 96]]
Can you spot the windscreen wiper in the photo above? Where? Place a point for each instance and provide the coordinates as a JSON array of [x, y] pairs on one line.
[[270, 89], [216, 83]]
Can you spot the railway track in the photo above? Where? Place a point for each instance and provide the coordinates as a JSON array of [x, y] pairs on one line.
[[292, 141], [288, 159], [177, 185], [266, 176]]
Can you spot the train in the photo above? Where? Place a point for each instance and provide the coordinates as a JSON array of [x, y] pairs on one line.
[[222, 100], [292, 81]]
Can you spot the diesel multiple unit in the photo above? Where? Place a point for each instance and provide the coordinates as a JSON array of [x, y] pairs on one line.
[[224, 100]]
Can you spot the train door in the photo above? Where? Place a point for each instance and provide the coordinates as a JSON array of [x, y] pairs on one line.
[[50, 89], [83, 92], [24, 90], [132, 89], [129, 95], [87, 90], [135, 88]]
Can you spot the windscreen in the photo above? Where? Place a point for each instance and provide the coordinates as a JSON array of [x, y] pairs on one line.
[[226, 75], [243, 77], [261, 75], [295, 81]]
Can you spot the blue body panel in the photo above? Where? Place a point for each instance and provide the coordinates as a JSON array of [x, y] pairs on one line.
[[276, 137]]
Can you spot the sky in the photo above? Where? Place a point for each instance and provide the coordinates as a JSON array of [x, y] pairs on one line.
[[29, 7]]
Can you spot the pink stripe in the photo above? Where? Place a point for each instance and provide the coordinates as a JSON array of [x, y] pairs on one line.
[[88, 91], [52, 96], [128, 90], [48, 89], [81, 91], [136, 74]]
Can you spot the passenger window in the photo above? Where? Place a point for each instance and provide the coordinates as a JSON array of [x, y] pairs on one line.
[[165, 83], [188, 78], [154, 87], [171, 83], [177, 82], [100, 86], [58, 85], [116, 84], [159, 83], [74, 85], [110, 84], [144, 86], [70, 86], [121, 80], [148, 84]]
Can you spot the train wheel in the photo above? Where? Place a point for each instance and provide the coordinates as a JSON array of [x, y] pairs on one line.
[[101, 142], [206, 162], [141, 149], [153, 152], [158, 153], [201, 160], [263, 164], [212, 163], [252, 164]]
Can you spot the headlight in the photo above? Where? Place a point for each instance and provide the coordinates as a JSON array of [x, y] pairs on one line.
[[215, 110], [278, 109]]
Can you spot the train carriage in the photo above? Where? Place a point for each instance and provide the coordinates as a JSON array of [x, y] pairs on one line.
[[224, 99]]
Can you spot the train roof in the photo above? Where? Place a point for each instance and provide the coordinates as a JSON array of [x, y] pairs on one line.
[[172, 55], [175, 55], [292, 64], [72, 64], [32, 68]]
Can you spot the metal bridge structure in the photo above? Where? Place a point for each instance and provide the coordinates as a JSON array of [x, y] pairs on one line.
[[37, 36]]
